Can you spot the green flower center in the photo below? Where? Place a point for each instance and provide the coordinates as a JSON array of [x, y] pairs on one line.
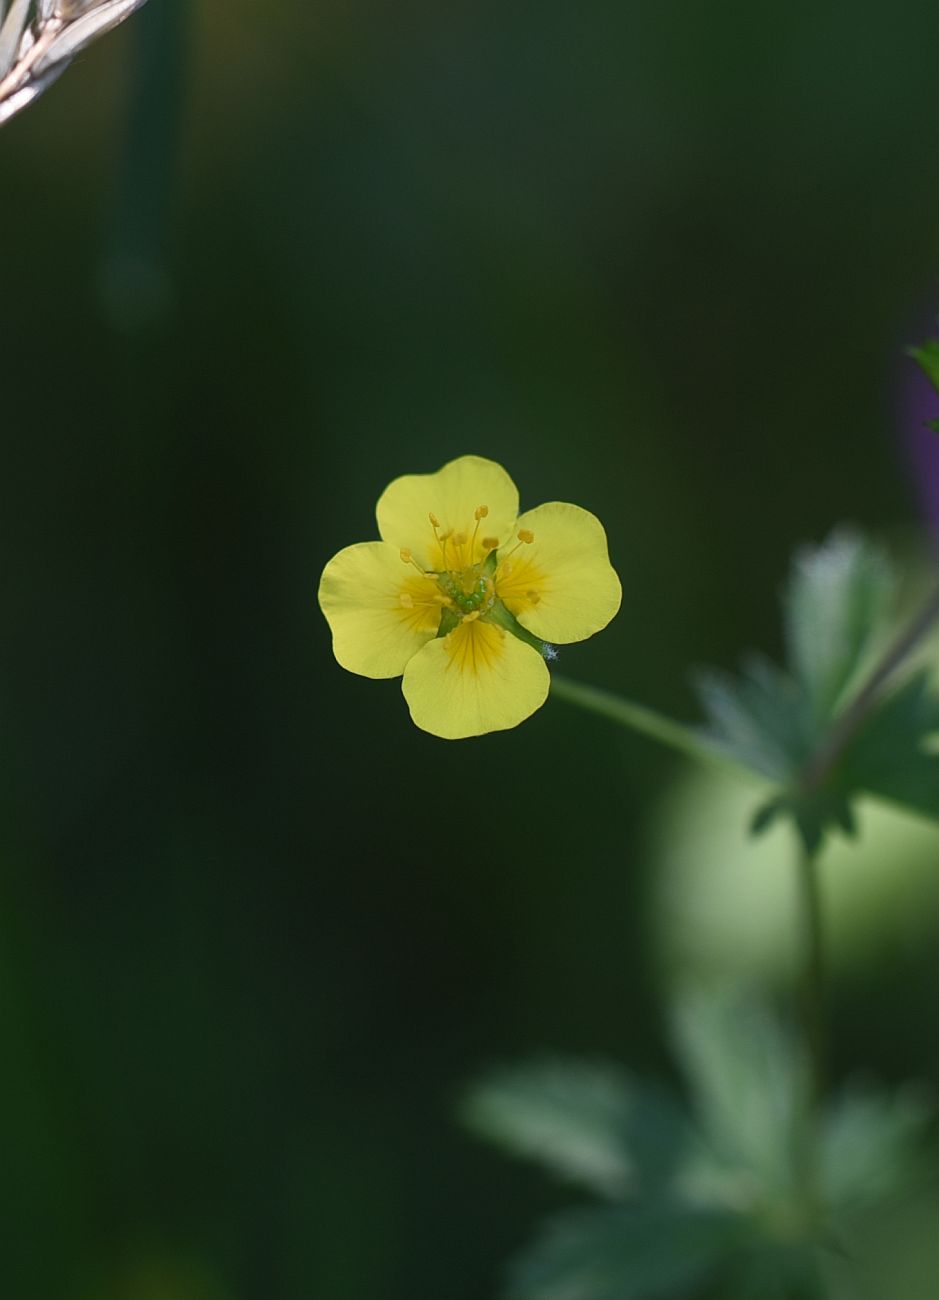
[[471, 591]]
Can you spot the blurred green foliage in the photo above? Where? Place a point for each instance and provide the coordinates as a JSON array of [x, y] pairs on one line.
[[724, 1199], [783, 724], [655, 258]]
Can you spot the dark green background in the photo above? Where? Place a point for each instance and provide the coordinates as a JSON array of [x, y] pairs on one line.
[[255, 930]]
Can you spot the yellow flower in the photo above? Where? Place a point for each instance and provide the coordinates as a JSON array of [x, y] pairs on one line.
[[461, 592]]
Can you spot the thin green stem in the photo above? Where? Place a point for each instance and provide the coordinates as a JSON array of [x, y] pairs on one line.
[[645, 721], [813, 970], [814, 1018]]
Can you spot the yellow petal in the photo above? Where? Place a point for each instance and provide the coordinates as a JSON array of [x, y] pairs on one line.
[[562, 586], [476, 679], [375, 633], [452, 496]]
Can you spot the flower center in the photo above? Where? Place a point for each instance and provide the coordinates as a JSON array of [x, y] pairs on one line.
[[471, 592], [466, 571]]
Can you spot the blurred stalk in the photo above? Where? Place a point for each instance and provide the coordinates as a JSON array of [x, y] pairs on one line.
[[647, 722], [813, 972], [814, 1020]]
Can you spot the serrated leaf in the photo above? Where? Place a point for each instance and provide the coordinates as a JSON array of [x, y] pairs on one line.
[[928, 358], [748, 1083], [778, 722], [653, 1252], [836, 604], [590, 1124], [758, 718], [869, 1144], [568, 1115]]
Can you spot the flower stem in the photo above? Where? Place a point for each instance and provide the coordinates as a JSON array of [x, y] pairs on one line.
[[646, 721]]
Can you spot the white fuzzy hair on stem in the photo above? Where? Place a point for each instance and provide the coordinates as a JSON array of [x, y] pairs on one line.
[[39, 38]]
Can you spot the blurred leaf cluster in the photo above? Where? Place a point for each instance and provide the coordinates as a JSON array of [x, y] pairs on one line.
[[715, 1194], [782, 722]]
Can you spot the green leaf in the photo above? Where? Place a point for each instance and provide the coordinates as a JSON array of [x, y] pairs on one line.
[[652, 1252], [747, 1081], [758, 719], [836, 604], [869, 1146], [928, 358], [891, 755], [775, 721], [571, 1116]]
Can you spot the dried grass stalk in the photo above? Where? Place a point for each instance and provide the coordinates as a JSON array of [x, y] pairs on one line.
[[39, 38]]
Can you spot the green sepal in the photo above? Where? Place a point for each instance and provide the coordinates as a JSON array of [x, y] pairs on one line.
[[505, 619], [449, 620]]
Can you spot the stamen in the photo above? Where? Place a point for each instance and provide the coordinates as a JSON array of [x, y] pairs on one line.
[[468, 618], [442, 540], [533, 596], [459, 539], [408, 558], [524, 535], [490, 543], [407, 600], [441, 537], [479, 513]]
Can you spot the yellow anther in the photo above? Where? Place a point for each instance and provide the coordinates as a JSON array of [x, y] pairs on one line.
[[407, 600], [533, 596], [526, 535], [468, 618], [445, 536], [459, 539], [481, 512], [434, 521], [490, 543], [408, 558], [506, 570]]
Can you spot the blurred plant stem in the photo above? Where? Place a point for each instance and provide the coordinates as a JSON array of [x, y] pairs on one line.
[[813, 1018], [686, 740], [813, 971]]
